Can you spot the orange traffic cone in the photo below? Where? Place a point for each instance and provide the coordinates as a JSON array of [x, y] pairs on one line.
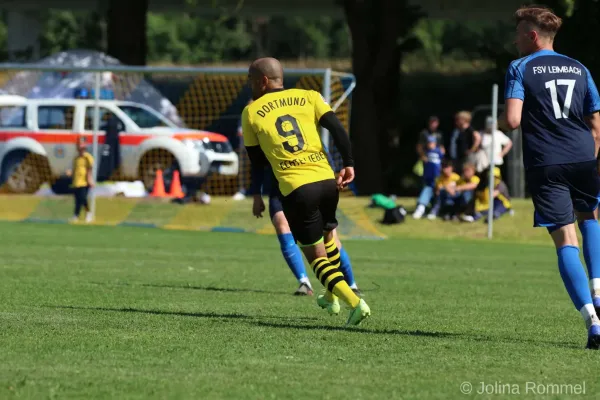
[[176, 190], [159, 185]]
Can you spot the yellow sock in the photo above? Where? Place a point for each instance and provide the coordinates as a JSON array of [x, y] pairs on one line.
[[334, 282], [333, 254], [330, 296]]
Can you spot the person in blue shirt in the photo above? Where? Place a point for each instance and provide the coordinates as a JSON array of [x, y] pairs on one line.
[[432, 167], [554, 100]]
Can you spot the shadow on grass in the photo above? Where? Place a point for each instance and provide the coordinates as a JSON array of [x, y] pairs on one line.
[[215, 289], [401, 332], [191, 287], [359, 330], [181, 313], [255, 320]]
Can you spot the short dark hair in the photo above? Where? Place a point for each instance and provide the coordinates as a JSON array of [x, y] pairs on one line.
[[468, 165], [541, 17], [446, 163], [433, 118]]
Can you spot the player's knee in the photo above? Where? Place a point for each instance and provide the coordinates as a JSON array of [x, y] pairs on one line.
[[586, 216], [564, 235], [328, 236]]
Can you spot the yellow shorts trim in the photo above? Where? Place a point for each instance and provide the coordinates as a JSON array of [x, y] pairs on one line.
[[312, 244]]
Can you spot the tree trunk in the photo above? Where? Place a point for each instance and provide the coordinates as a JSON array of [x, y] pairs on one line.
[[365, 125], [386, 86], [126, 28], [375, 27]]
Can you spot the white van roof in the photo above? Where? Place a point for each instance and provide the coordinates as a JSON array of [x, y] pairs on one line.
[[12, 99]]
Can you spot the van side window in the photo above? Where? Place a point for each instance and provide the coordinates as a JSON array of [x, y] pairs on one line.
[[105, 115], [56, 117], [13, 117]]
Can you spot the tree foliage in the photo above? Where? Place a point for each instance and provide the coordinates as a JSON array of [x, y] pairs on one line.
[[186, 38]]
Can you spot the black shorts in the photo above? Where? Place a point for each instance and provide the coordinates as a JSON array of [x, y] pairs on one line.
[[310, 210], [558, 191]]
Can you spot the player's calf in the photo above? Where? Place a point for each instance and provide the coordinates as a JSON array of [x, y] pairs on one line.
[[338, 257], [573, 275], [291, 253], [590, 232], [330, 276]]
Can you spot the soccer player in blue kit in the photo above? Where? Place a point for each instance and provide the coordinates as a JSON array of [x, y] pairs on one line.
[[555, 101]]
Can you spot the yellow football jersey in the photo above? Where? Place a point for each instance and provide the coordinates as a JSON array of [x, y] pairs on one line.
[[443, 180], [284, 124], [81, 165], [475, 179]]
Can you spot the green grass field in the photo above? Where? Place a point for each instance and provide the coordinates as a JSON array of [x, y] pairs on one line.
[[114, 312]]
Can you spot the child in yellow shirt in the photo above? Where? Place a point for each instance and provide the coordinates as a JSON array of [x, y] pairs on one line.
[[82, 180], [465, 192], [502, 203], [445, 187]]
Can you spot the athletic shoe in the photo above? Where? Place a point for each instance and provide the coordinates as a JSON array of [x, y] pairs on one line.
[[359, 313], [418, 214], [467, 218], [89, 217], [431, 217], [239, 196], [303, 290], [357, 292], [333, 308], [593, 342]]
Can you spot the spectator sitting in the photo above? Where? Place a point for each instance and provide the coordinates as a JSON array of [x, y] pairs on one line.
[[445, 184], [432, 166], [502, 203], [465, 193]]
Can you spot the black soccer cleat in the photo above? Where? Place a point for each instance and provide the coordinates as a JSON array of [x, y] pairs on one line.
[[593, 342]]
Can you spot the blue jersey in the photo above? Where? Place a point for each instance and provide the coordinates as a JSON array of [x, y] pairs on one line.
[[433, 166], [557, 93]]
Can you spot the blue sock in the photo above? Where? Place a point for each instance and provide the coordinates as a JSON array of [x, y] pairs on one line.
[[573, 276], [292, 254], [346, 267], [590, 230]]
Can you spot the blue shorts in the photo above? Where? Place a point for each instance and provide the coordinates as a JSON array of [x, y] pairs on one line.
[[558, 191]]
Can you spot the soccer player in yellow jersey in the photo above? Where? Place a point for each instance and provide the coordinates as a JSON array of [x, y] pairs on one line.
[[280, 129], [82, 180]]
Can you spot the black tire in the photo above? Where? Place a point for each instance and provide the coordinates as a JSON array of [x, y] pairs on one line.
[[21, 173], [155, 160]]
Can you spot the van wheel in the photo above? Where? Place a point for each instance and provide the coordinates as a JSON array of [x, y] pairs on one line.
[[23, 172], [153, 161]]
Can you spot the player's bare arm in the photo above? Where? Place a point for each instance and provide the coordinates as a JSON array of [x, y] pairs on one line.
[[331, 122], [593, 121], [514, 109], [476, 141], [90, 177]]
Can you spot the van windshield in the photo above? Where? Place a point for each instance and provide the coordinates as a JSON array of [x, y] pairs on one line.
[[143, 118]]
